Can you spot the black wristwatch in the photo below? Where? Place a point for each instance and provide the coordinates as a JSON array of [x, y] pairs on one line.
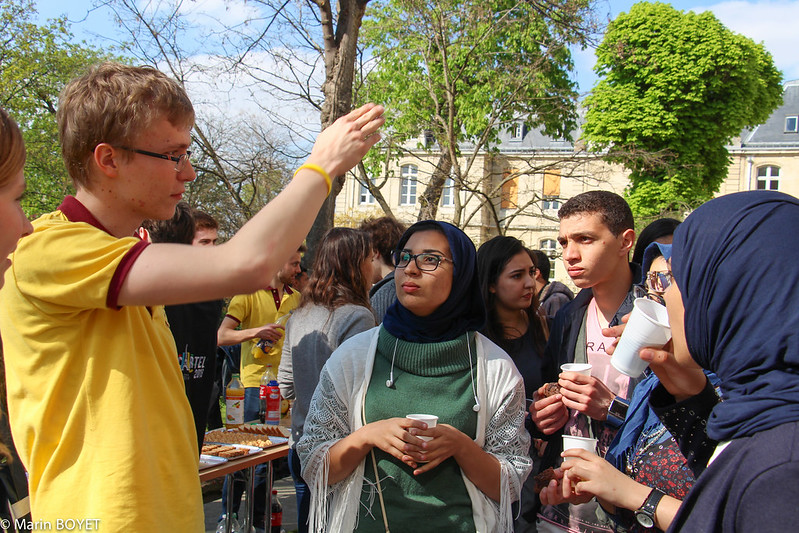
[[645, 515], [617, 411]]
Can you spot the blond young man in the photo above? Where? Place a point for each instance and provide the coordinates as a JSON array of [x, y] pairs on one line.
[[95, 393]]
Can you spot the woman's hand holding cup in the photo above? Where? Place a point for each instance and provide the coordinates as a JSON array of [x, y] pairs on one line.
[[682, 380]]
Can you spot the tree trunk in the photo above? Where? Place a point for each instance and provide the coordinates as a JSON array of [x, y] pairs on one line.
[[375, 191], [432, 193], [340, 54]]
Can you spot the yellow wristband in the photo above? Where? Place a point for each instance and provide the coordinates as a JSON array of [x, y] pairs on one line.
[[320, 170]]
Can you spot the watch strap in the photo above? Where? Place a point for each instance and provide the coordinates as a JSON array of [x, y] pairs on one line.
[[648, 508], [617, 411]]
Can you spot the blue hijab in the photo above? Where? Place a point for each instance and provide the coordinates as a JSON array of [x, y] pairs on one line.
[[652, 252], [736, 262], [462, 311]]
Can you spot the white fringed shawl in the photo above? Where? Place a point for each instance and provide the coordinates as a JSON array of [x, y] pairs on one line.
[[335, 413]]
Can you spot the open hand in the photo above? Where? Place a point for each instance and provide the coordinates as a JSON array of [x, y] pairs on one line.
[[345, 142]]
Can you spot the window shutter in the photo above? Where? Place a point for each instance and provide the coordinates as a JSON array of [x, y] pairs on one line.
[[552, 182]]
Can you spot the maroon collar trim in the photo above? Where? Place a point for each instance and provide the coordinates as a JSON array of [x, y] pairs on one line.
[[77, 212], [286, 288]]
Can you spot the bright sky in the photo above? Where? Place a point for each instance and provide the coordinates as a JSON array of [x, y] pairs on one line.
[[772, 22]]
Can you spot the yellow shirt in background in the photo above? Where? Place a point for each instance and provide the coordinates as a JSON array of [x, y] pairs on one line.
[[256, 310]]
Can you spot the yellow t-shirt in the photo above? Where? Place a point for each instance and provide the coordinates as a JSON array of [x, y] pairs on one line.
[[255, 310], [95, 394]]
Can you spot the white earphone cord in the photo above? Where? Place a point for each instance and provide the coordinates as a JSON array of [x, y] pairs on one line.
[[476, 407]]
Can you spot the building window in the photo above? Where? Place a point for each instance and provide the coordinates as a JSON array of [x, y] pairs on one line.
[[517, 132], [448, 193], [408, 188], [509, 198], [550, 203], [551, 192], [768, 178], [365, 197], [550, 247], [792, 124]]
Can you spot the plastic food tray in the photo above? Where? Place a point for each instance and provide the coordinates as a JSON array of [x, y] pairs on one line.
[[207, 461]]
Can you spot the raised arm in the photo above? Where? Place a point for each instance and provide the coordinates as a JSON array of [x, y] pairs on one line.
[[174, 274]]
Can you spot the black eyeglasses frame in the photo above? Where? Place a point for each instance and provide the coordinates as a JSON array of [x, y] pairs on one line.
[[416, 257], [180, 161]]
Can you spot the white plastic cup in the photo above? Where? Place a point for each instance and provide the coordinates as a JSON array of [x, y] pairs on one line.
[[430, 420], [580, 368], [648, 326], [584, 443]]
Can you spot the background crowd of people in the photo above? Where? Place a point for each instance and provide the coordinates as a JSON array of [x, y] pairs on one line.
[[386, 322]]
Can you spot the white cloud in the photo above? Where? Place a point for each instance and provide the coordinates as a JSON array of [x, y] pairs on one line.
[[216, 91], [207, 12], [229, 12]]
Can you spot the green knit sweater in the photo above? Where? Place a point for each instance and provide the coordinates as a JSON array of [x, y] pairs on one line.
[[430, 378]]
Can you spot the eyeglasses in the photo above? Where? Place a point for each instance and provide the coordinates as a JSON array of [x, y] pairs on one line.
[[640, 291], [180, 161], [658, 281], [424, 261]]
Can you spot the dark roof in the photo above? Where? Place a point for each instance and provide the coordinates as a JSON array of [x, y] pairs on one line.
[[535, 139], [772, 134], [769, 135]]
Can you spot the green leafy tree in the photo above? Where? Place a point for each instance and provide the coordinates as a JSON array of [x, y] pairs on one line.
[[461, 71], [35, 64], [674, 89]]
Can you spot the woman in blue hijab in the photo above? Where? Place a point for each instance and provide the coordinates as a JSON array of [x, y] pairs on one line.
[[733, 310], [366, 464]]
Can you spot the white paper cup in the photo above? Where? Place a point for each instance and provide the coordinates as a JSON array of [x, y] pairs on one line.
[[648, 326], [430, 420], [583, 443], [580, 368]]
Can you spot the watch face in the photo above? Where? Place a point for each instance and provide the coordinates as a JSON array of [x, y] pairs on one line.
[[644, 519]]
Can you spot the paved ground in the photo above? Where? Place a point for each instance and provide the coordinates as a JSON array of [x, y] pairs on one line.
[[285, 491]]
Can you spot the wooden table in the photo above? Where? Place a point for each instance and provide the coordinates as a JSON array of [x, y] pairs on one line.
[[248, 463]]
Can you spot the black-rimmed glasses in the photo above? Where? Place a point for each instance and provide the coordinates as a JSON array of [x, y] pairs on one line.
[[425, 261], [180, 160]]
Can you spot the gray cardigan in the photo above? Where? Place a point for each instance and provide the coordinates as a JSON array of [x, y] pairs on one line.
[[312, 333], [382, 295]]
